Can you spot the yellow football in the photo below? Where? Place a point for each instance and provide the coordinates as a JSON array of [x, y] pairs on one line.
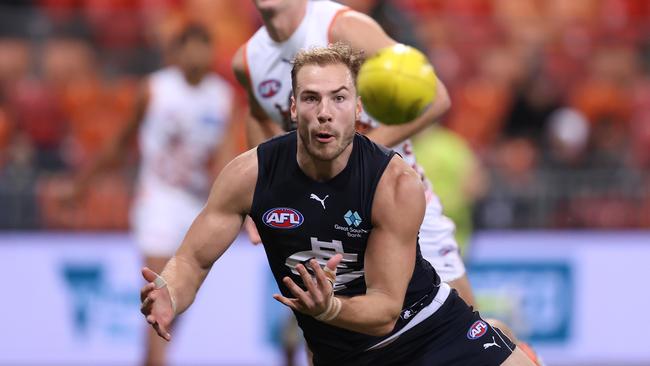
[[396, 84]]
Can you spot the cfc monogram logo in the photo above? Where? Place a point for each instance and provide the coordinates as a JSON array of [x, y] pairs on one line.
[[349, 269]]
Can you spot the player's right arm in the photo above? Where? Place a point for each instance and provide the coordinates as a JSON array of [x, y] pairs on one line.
[[259, 126], [211, 233], [397, 213]]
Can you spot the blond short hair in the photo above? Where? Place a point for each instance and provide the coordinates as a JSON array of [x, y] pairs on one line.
[[337, 53]]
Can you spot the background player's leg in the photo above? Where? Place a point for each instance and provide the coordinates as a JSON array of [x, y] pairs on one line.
[[291, 336], [156, 351]]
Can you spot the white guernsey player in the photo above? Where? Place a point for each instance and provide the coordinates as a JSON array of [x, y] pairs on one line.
[[181, 121]]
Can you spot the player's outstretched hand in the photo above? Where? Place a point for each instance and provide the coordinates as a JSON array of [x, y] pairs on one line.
[[157, 304], [317, 300]]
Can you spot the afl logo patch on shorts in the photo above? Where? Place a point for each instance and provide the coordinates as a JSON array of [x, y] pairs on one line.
[[477, 330], [283, 218], [269, 88]]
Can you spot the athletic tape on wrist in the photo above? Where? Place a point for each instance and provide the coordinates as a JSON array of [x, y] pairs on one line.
[[333, 310], [160, 282]]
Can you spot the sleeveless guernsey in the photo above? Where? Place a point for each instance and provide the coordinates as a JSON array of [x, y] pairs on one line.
[[299, 219]]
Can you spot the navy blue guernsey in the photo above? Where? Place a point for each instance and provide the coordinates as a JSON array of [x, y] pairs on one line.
[[299, 218]]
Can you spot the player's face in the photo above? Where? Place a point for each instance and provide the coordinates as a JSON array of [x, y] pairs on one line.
[[326, 107], [195, 56]]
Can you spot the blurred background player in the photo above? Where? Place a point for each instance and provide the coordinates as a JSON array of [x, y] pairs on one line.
[[456, 173], [182, 120]]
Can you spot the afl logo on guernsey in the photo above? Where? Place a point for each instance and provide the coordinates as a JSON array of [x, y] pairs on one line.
[[283, 218], [269, 88], [477, 330]]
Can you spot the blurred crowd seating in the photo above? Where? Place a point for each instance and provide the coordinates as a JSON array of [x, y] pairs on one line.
[[553, 97]]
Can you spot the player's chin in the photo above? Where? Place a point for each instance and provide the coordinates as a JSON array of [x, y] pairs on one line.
[[324, 152]]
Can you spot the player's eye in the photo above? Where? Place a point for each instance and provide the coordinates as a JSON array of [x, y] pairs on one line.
[[309, 98], [339, 98]]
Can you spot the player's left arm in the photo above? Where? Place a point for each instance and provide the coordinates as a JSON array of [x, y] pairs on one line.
[[364, 33], [397, 213], [398, 210]]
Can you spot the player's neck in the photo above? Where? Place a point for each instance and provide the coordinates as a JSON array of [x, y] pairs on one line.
[[282, 24], [193, 79], [321, 170]]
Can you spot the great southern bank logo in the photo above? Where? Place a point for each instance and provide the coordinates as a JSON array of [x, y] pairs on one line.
[[352, 218], [283, 218]]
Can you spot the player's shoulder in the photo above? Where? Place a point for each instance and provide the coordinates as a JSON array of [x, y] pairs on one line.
[[349, 18], [396, 169], [359, 30], [260, 36], [245, 161], [242, 170], [399, 193], [234, 187], [239, 63], [400, 169], [401, 180], [164, 79], [372, 150], [165, 74], [219, 83], [275, 143]]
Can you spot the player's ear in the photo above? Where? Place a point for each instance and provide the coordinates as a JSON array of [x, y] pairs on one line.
[[292, 109]]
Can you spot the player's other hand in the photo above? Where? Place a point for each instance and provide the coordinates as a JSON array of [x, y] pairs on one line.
[[320, 287], [251, 230], [157, 305]]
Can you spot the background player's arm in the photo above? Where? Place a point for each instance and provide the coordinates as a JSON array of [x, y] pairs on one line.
[[259, 127], [211, 233], [362, 32]]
